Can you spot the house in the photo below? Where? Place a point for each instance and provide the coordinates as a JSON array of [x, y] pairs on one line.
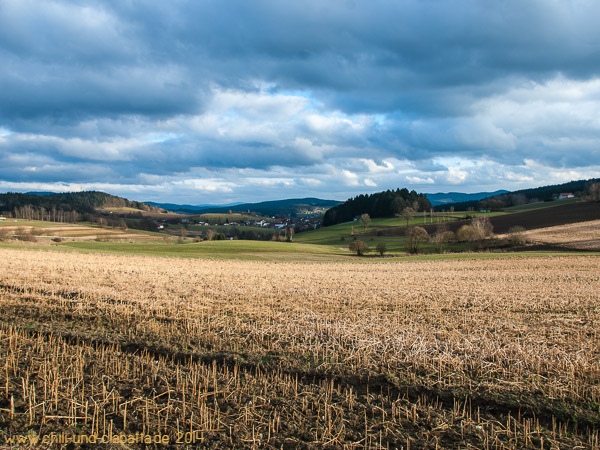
[[564, 195]]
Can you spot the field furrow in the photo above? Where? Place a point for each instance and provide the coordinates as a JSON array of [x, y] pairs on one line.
[[472, 353]]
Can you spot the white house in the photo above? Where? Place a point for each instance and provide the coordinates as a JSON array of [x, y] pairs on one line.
[[564, 195]]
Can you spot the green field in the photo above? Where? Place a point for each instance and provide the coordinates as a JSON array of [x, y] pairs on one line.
[[238, 250]]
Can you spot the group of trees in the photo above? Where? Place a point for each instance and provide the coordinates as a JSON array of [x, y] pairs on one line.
[[474, 234], [65, 207], [383, 204], [361, 247], [60, 213]]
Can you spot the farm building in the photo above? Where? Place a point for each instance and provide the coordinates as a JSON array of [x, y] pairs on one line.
[[564, 195]]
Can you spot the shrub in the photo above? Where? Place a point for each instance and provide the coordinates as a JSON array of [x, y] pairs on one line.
[[360, 247], [25, 235], [516, 236], [441, 237], [414, 238], [480, 229]]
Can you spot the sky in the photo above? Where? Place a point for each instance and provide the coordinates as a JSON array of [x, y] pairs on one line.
[[222, 101]]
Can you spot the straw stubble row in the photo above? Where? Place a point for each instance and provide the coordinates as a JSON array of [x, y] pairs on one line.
[[258, 353]]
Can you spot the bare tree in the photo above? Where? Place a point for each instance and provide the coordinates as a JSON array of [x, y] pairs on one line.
[[594, 192], [289, 233], [381, 248], [415, 237], [483, 226], [479, 229], [408, 213], [358, 246], [182, 234], [365, 220], [467, 233], [441, 237]]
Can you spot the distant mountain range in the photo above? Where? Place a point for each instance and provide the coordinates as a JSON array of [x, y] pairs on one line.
[[286, 207], [292, 206], [192, 209]]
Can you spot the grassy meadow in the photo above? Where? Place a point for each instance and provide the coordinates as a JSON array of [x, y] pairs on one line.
[[242, 250]]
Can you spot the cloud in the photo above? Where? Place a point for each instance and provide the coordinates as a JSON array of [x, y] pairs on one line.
[[332, 99]]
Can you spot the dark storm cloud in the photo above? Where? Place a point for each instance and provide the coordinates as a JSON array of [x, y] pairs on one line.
[[140, 57], [71, 61]]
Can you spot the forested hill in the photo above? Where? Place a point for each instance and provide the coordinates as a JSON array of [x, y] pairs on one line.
[[289, 207], [579, 188], [63, 207], [383, 204]]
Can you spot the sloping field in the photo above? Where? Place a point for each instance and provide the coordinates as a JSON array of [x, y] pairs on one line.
[[561, 214], [495, 353], [581, 235], [44, 231]]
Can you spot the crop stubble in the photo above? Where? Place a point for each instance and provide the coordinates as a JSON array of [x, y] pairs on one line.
[[494, 353]]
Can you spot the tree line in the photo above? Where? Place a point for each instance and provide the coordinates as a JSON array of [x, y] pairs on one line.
[[383, 204], [63, 207], [587, 189]]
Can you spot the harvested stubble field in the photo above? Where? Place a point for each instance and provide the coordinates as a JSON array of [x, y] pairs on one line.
[[490, 354], [580, 235]]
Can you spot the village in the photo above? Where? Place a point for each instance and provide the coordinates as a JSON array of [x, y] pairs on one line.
[[222, 226]]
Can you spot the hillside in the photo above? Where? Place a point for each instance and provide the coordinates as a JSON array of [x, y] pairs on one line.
[[574, 236], [448, 198], [578, 189], [554, 214], [190, 209], [392, 232], [561, 214], [288, 207], [66, 207], [381, 204]]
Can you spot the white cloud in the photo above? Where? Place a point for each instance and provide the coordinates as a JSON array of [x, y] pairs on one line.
[[546, 120], [375, 168], [350, 178], [420, 181], [204, 185]]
